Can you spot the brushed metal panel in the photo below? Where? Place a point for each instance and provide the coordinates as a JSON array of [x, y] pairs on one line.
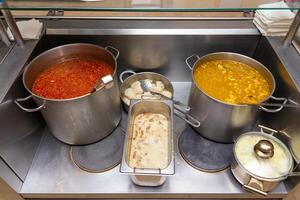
[[7, 175], [164, 54], [283, 63], [20, 134]]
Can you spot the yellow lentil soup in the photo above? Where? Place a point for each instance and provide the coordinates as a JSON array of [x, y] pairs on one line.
[[231, 82]]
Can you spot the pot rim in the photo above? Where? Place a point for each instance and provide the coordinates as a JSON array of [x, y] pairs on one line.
[[239, 55], [122, 87], [276, 140], [53, 49]]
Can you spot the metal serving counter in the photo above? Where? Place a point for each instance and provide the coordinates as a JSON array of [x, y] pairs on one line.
[[52, 174]]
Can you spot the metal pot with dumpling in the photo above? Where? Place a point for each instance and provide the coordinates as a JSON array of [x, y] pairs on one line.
[[131, 87], [158, 87]]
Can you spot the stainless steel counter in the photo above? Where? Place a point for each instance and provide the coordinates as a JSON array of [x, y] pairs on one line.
[[53, 175]]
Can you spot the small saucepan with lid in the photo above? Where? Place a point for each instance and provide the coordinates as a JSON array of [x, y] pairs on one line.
[[261, 161], [162, 88]]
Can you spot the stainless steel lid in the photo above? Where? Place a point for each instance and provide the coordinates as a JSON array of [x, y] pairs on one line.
[[263, 156]]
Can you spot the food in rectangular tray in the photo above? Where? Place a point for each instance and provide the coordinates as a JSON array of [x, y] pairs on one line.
[[149, 142]]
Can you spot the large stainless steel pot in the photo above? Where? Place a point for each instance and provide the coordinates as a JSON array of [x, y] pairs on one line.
[[260, 164], [81, 120], [223, 122]]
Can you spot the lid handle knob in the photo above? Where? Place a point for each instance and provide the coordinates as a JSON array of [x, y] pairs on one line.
[[264, 149]]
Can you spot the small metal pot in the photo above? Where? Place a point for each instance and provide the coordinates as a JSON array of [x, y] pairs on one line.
[[180, 108], [253, 166], [133, 77], [220, 121], [81, 120]]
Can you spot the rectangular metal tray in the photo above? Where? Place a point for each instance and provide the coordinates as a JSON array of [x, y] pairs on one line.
[[148, 176]]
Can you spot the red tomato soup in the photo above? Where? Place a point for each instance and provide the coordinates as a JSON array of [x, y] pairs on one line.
[[71, 78]]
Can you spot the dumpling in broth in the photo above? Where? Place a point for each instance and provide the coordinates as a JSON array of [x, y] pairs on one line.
[[158, 87], [136, 86]]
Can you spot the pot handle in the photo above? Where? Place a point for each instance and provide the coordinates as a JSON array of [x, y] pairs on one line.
[[187, 118], [181, 105], [252, 189], [125, 72], [105, 82], [264, 129], [146, 171], [28, 109], [187, 61], [294, 174], [275, 109], [257, 183], [115, 52]]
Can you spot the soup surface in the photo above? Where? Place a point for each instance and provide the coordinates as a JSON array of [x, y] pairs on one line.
[[71, 78], [231, 82]]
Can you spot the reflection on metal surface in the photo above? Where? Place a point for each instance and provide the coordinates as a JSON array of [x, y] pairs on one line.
[[4, 51], [296, 44], [129, 17], [11, 67], [154, 27], [292, 31], [100, 156], [9, 177], [19, 142], [4, 35], [12, 24], [144, 5], [203, 154], [249, 31], [296, 41]]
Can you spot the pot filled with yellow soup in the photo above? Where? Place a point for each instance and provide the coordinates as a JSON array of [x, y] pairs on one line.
[[260, 162], [226, 91]]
